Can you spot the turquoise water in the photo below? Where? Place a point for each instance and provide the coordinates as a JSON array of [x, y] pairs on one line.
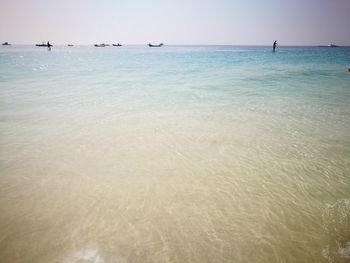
[[174, 154]]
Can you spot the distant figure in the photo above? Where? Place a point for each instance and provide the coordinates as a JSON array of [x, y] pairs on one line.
[[48, 46], [274, 46]]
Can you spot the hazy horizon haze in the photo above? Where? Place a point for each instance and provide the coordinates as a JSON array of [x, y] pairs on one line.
[[194, 22]]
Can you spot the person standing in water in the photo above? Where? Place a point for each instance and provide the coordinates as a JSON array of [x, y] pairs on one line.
[[274, 46], [48, 46]]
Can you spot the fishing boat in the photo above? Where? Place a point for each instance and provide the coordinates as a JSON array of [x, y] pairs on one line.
[[159, 45], [117, 45], [6, 44], [44, 44], [101, 45], [330, 45]]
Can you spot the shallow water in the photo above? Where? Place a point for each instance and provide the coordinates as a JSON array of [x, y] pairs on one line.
[[174, 154]]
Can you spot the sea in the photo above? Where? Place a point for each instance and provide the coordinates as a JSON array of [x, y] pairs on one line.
[[174, 154]]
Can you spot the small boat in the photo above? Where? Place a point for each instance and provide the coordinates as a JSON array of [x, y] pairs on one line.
[[70, 45], [159, 45], [44, 45], [6, 44], [101, 45], [117, 45], [330, 45]]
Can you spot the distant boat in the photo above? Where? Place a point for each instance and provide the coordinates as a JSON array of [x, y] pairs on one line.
[[150, 45], [101, 45], [330, 45], [117, 45], [6, 44], [70, 45], [44, 44]]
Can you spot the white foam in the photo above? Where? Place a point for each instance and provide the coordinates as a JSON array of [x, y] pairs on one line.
[[344, 251], [85, 255]]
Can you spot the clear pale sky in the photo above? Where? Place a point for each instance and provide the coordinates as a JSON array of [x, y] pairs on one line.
[[251, 22]]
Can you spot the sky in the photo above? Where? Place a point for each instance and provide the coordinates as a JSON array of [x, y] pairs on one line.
[[207, 22]]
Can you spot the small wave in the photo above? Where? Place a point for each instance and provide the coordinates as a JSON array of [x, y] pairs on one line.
[[90, 255], [336, 224], [344, 251], [336, 213], [85, 255]]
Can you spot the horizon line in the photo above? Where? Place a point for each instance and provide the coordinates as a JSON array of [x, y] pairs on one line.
[[142, 44]]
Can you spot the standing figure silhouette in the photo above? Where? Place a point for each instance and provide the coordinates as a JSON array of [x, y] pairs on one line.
[[274, 46]]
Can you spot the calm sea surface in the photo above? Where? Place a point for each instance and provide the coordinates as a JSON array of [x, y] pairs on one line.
[[174, 154]]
